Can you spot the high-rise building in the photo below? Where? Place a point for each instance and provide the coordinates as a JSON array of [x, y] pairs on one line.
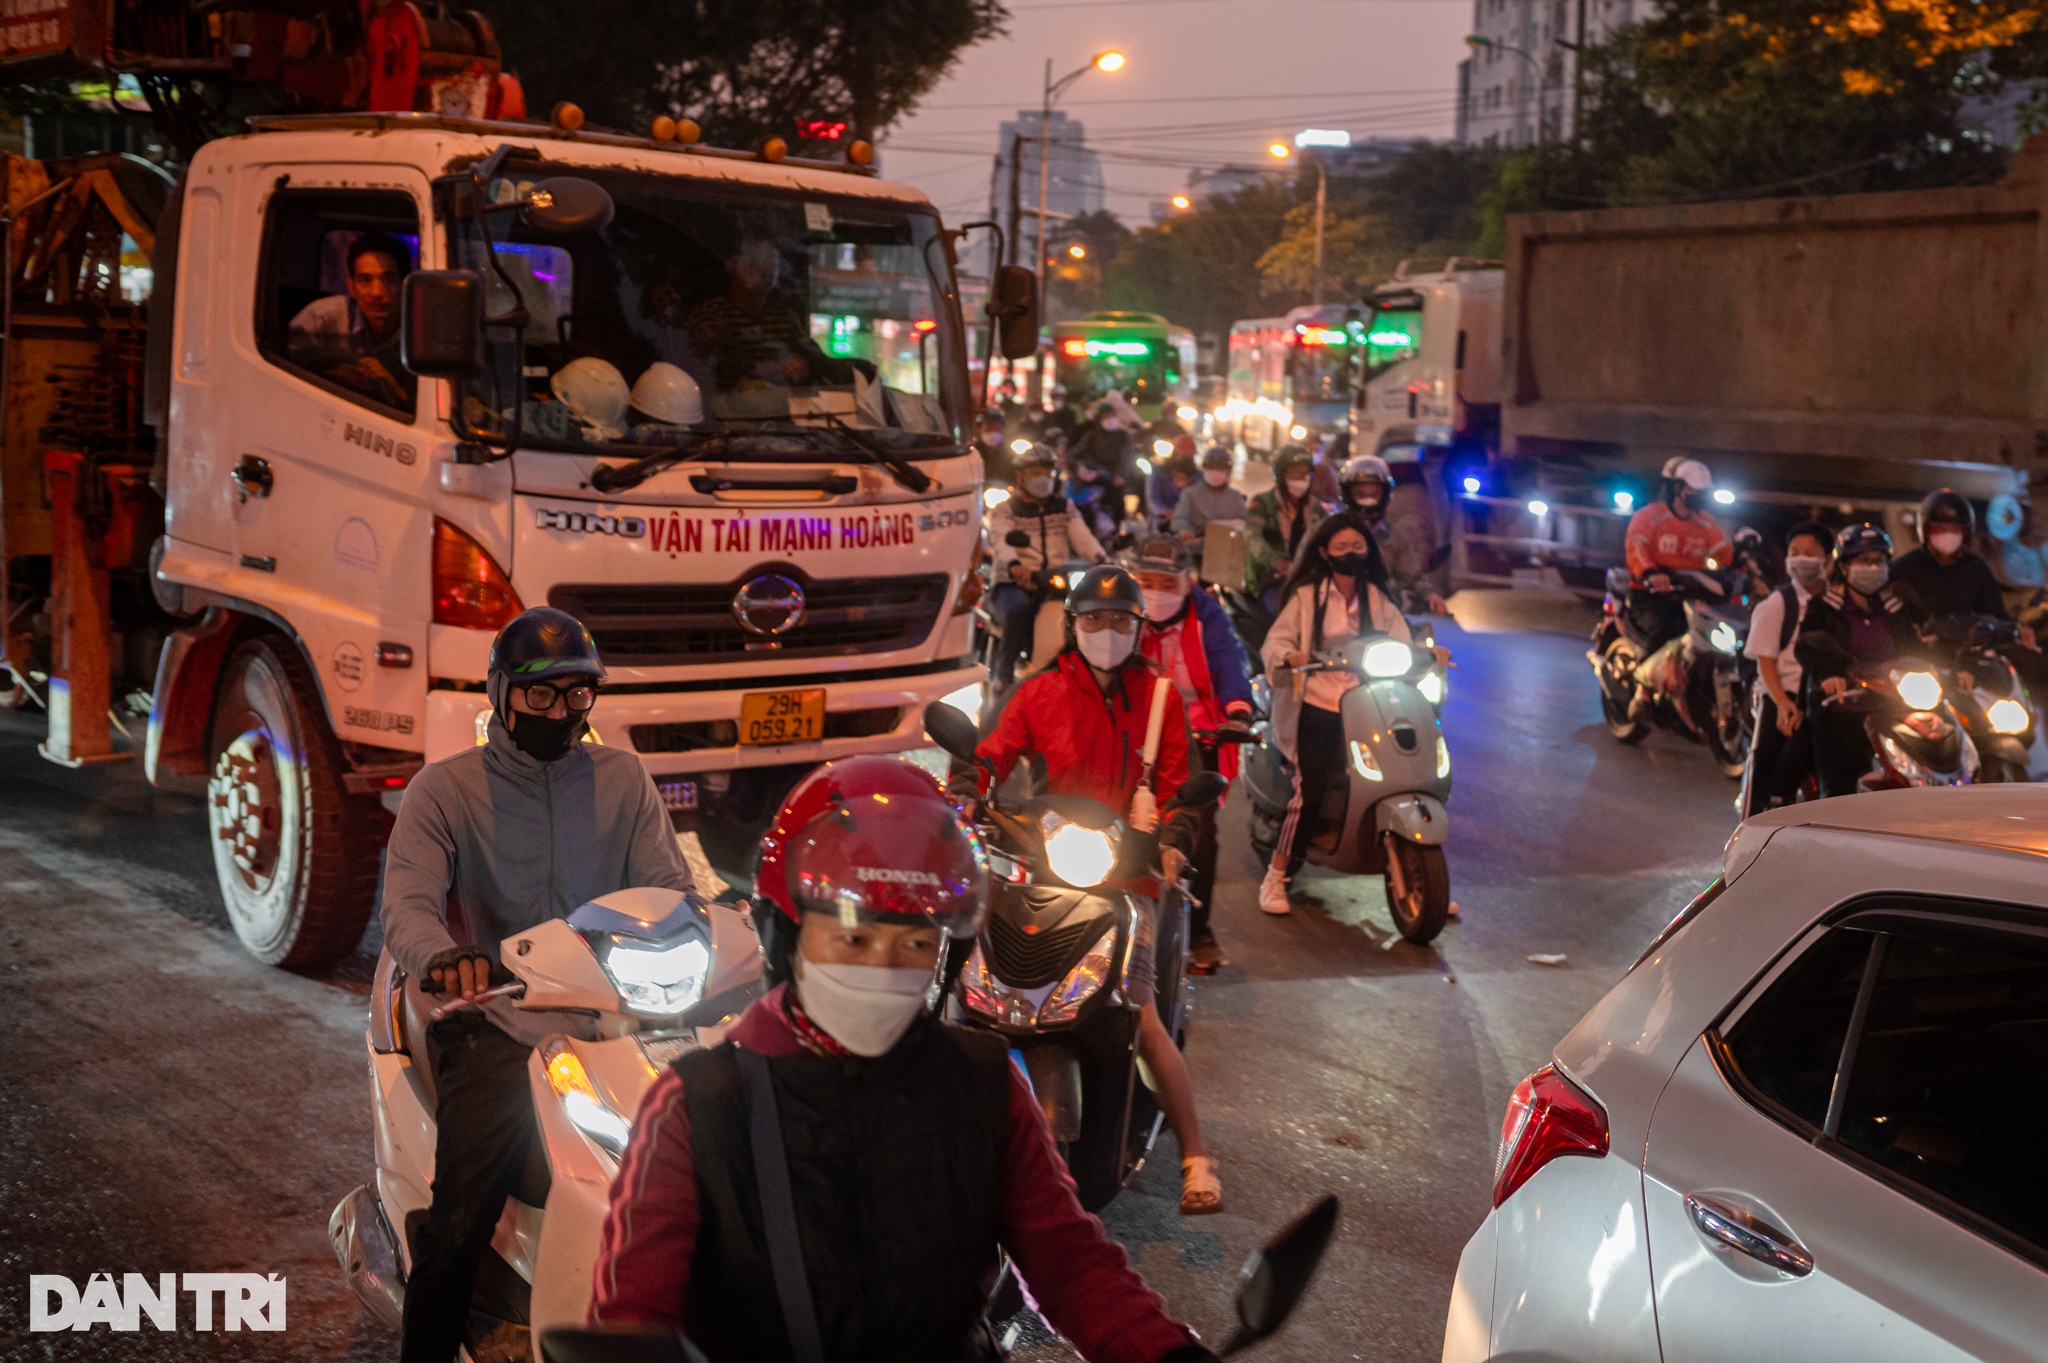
[[1073, 183], [1519, 86]]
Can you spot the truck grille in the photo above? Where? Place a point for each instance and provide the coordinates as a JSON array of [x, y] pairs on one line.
[[1029, 960], [664, 624]]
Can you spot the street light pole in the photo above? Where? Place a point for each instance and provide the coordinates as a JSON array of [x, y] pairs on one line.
[[1479, 40], [1112, 61], [1280, 151]]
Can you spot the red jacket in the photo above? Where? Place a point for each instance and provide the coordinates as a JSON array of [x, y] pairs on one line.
[[1661, 540], [1092, 744], [1080, 1280]]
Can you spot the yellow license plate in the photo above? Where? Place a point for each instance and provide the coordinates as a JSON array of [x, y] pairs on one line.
[[771, 717]]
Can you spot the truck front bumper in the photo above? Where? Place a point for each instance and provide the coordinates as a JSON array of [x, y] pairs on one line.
[[677, 732]]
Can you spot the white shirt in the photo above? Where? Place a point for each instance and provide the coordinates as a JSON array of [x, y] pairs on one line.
[[1767, 626]]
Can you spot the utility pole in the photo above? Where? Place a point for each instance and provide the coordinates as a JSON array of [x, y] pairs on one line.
[[1322, 195], [1110, 60]]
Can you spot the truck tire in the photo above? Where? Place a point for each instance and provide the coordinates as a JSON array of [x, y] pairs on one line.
[[295, 853]]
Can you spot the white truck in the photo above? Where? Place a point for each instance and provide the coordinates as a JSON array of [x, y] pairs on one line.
[[295, 563], [1431, 364]]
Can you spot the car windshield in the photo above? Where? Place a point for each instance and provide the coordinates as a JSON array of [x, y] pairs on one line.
[[706, 307]]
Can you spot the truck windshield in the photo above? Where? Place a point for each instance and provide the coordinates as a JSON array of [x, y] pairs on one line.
[[707, 307], [1395, 334]]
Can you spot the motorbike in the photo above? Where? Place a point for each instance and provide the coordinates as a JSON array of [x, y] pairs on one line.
[[1705, 693], [638, 977], [1386, 816], [1269, 1286], [1996, 709], [1048, 589], [1915, 736], [1049, 971]]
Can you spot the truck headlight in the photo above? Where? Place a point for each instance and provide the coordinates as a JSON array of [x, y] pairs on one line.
[[585, 1110], [2007, 716], [1081, 857], [661, 978], [1921, 690], [1388, 658]]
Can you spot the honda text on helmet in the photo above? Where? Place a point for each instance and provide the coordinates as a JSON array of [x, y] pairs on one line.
[[549, 660], [1103, 609], [867, 840]]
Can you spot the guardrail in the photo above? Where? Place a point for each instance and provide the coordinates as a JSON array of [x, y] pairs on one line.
[[1503, 541]]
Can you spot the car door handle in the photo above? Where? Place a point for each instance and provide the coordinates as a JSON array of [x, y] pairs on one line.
[[1743, 1233]]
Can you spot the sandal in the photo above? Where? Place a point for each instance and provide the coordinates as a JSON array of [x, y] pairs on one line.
[[1207, 958], [1201, 1192]]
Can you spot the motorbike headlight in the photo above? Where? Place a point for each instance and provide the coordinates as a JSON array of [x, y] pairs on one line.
[[1722, 636], [1082, 857], [580, 1103], [661, 978], [1364, 763], [1921, 690], [1443, 758], [1080, 984], [967, 700], [2008, 716], [1388, 658], [1432, 687]]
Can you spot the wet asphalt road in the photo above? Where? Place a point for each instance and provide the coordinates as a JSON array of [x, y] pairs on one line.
[[168, 1105]]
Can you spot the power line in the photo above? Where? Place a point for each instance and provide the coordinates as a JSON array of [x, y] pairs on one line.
[[1103, 4], [1196, 99]]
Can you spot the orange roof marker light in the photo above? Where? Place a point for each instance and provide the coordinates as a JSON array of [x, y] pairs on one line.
[[566, 117], [774, 149], [860, 153]]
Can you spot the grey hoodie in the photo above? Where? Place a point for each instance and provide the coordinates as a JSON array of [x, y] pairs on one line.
[[490, 842]]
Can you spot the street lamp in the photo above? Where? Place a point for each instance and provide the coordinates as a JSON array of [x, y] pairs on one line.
[[1477, 41], [1280, 151], [1110, 61], [1078, 251], [1181, 202]]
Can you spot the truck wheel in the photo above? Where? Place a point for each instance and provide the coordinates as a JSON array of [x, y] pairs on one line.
[[1418, 889], [296, 854]]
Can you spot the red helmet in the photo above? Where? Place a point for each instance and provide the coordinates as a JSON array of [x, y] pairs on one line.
[[875, 836]]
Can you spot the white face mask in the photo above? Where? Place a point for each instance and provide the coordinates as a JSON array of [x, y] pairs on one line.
[[865, 1008], [1946, 543], [1804, 570], [1105, 650], [1163, 605], [1868, 577], [1297, 488], [1216, 477], [1038, 489]]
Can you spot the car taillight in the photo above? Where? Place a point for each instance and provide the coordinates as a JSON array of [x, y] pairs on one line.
[[1548, 1116], [470, 589]]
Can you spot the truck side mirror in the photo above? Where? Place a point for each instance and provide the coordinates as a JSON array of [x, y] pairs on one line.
[[1013, 302], [568, 206], [441, 324]]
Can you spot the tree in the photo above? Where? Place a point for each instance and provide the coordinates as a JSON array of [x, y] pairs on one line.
[[743, 69], [1358, 250], [1201, 269]]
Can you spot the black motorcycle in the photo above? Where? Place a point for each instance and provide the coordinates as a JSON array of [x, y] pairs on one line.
[[1995, 708], [1049, 970], [1705, 695]]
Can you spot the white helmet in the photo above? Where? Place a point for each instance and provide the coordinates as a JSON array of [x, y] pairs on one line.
[[593, 390], [1691, 472], [668, 394]]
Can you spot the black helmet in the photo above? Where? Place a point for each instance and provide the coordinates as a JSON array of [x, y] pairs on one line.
[[1037, 456], [1105, 587], [1158, 554], [1217, 457], [1291, 456], [541, 644], [1862, 538], [1947, 507]]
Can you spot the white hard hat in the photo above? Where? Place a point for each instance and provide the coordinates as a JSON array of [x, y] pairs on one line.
[[593, 390], [1691, 472], [668, 394]]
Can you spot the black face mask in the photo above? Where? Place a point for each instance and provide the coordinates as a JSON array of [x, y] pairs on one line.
[[544, 739], [1351, 565]]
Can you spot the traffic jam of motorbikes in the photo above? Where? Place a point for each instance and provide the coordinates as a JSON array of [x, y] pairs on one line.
[[630, 741]]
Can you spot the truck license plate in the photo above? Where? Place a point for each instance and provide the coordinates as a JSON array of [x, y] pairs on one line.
[[771, 717]]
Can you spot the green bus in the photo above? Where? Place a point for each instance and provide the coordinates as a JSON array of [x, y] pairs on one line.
[[1127, 352]]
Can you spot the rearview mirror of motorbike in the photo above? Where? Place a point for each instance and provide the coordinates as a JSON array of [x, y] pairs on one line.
[[441, 324], [1017, 539], [1273, 1279], [622, 1343], [951, 730], [1203, 788], [567, 206]]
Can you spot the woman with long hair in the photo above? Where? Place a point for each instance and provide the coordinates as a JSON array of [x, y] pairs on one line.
[[1336, 591]]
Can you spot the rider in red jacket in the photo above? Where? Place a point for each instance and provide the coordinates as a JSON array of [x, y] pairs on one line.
[[1080, 725]]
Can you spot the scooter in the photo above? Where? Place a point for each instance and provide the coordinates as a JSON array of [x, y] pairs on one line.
[[1704, 694], [1915, 737], [1996, 710], [1050, 971], [1386, 815], [1048, 631], [1269, 1286], [638, 978]]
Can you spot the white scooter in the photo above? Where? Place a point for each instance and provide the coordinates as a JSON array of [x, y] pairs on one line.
[[651, 974]]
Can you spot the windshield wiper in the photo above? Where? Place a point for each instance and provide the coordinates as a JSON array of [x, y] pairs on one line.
[[620, 477], [905, 472], [650, 461]]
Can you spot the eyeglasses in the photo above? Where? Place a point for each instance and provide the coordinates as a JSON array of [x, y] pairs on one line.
[[541, 696], [1123, 622]]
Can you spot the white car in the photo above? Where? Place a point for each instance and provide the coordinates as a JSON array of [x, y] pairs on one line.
[[1811, 1123]]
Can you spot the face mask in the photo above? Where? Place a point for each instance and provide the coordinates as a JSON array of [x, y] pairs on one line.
[[1351, 565], [1163, 605], [1946, 543], [865, 1008], [1369, 502], [1038, 489], [1297, 488], [1868, 577], [1105, 651], [1216, 477], [1110, 423], [1804, 570], [544, 739]]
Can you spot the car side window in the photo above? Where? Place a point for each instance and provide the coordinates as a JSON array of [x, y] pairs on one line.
[[327, 300], [1914, 1045]]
